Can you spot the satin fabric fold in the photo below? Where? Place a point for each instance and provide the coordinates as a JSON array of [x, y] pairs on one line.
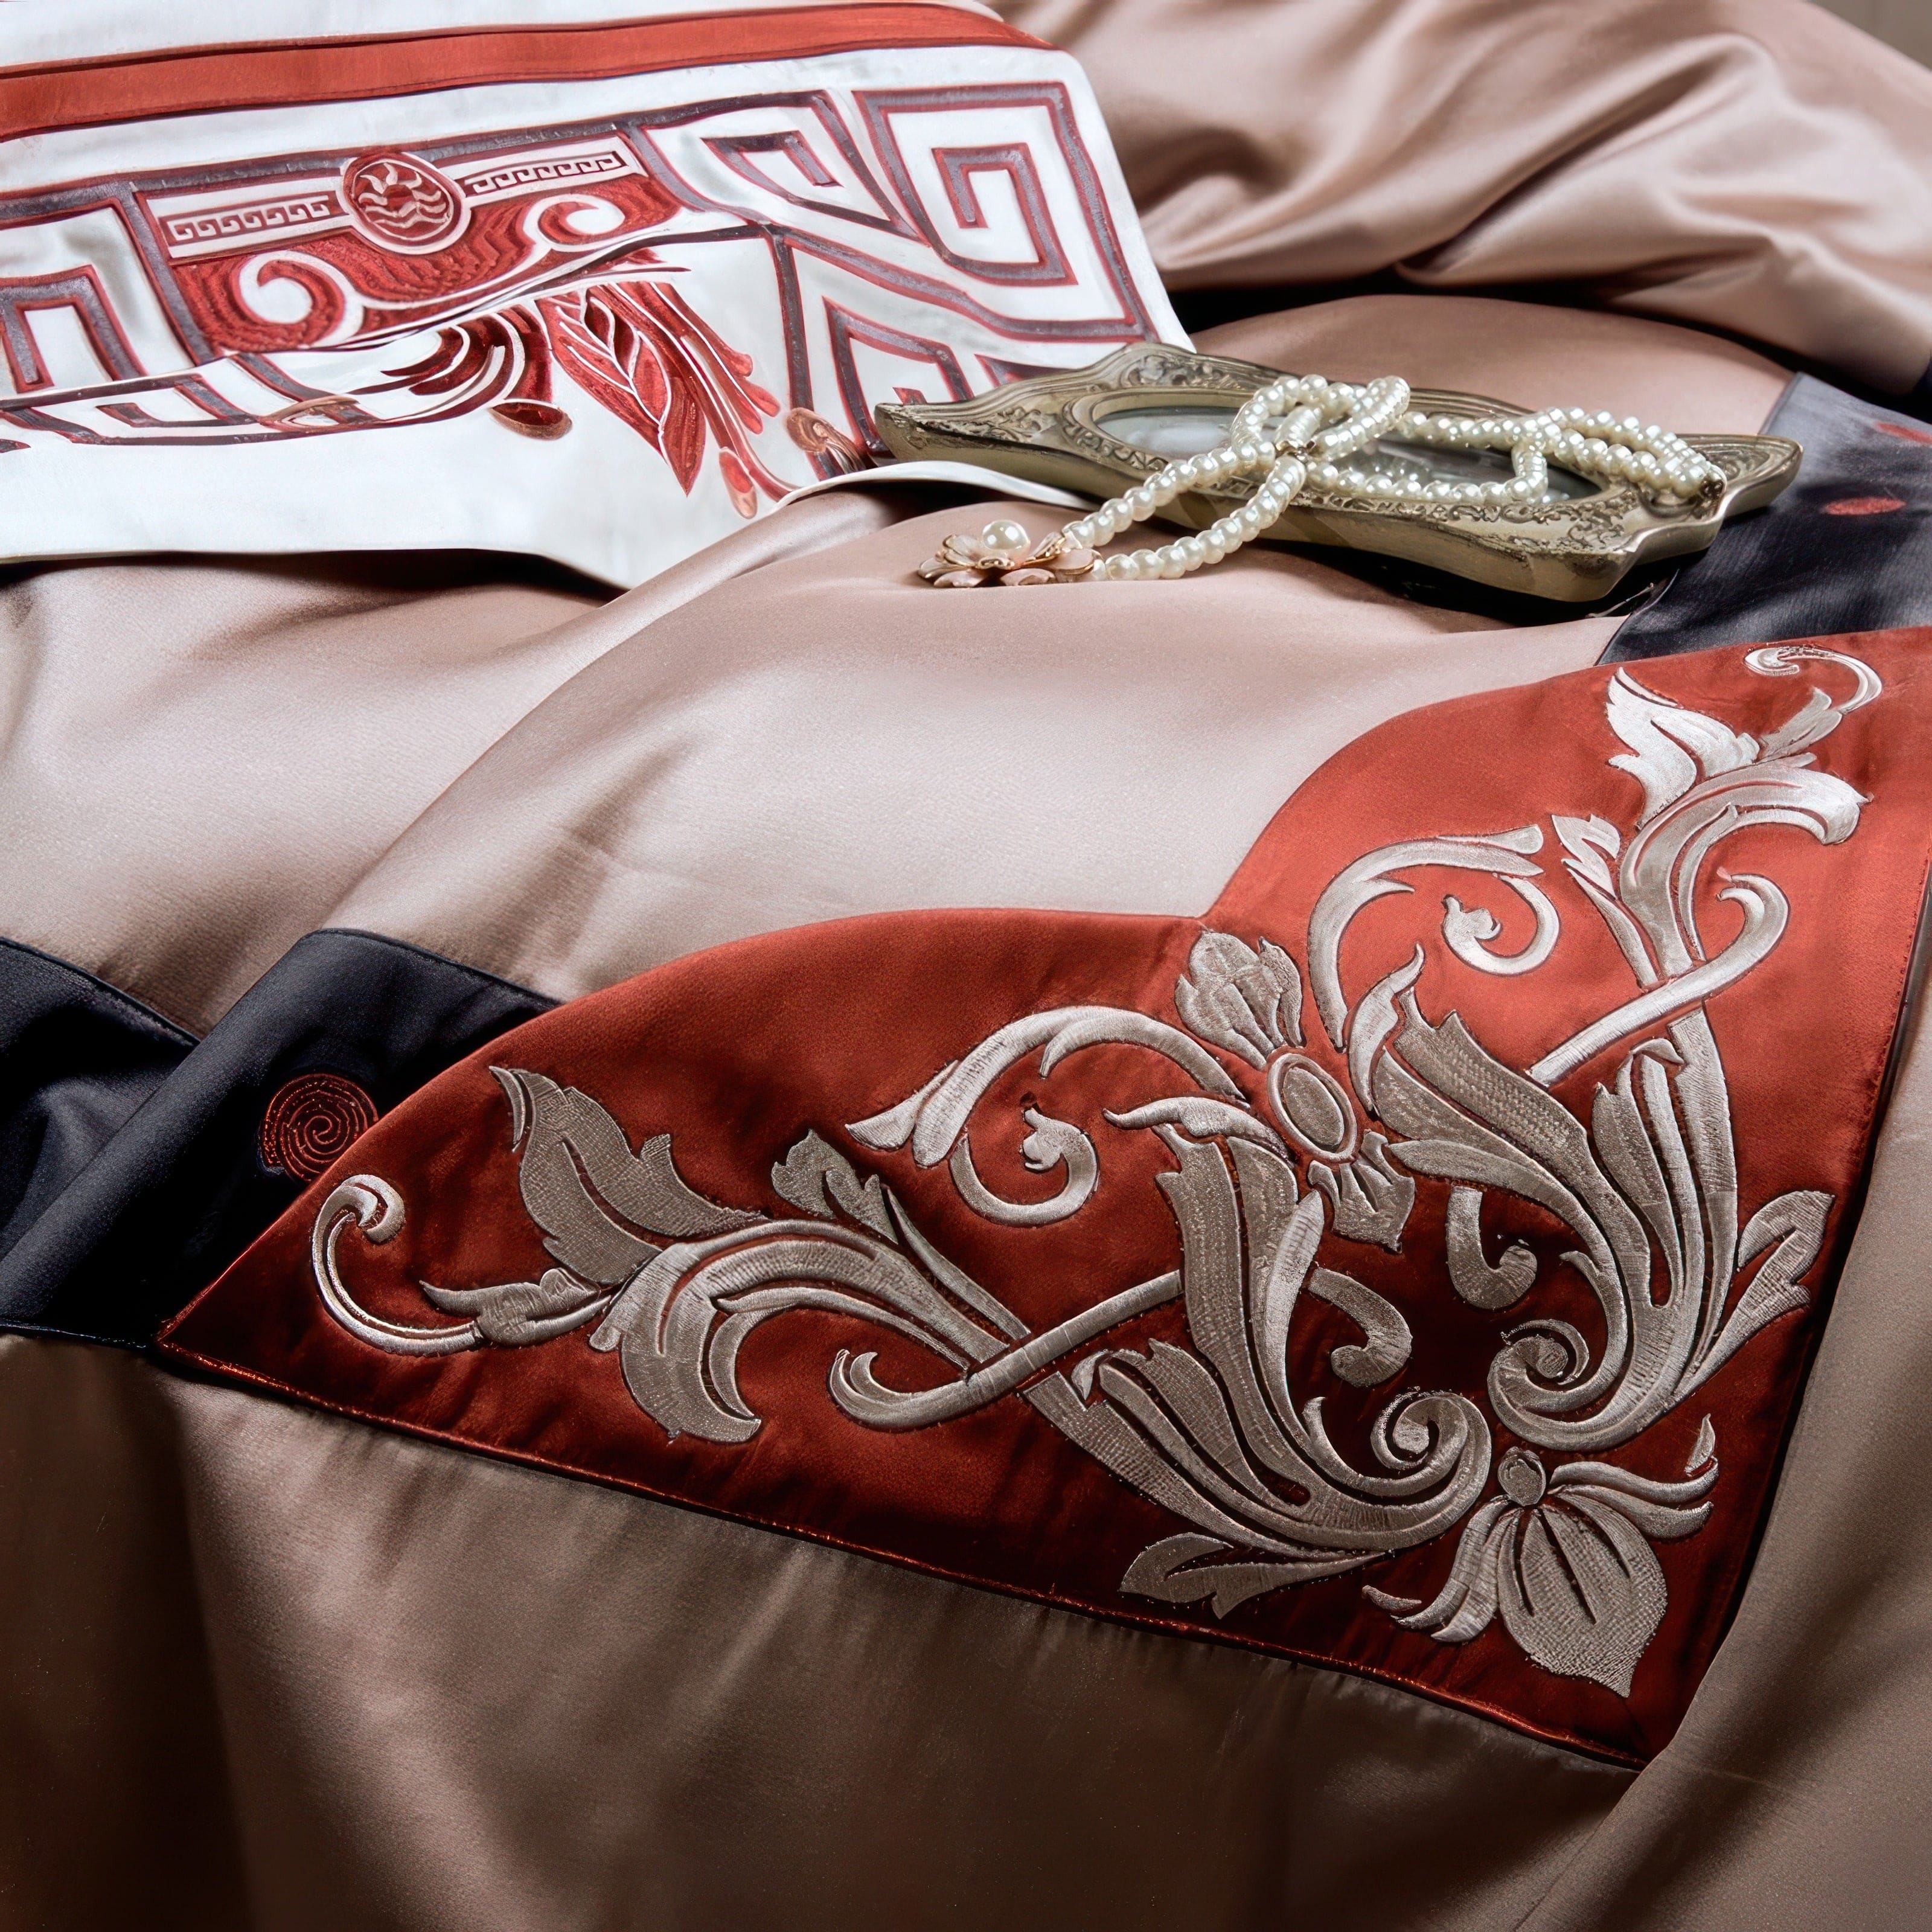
[[1755, 166]]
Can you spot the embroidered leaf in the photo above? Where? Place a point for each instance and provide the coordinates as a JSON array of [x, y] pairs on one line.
[[1670, 746], [1591, 842], [1199, 1118], [588, 1193], [607, 354], [1585, 1593], [1795, 1223], [1247, 1002], [515, 1314], [816, 1177], [483, 359], [1161, 1571], [1466, 1604], [641, 352]]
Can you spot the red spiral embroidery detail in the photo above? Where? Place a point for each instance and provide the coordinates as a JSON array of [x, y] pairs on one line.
[[310, 1121]]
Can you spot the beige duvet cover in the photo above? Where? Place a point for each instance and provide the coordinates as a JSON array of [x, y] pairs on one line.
[[270, 1668]]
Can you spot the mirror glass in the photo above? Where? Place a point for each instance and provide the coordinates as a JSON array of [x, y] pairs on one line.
[[1189, 429]]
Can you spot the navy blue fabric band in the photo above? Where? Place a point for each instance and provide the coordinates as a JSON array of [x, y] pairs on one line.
[[1847, 547], [132, 1162]]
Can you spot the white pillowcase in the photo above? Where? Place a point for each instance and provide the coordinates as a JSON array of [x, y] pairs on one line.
[[520, 277]]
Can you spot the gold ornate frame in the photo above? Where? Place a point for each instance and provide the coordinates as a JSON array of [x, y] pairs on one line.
[[1053, 429]]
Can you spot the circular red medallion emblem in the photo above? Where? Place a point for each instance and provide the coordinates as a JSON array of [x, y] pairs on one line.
[[312, 1119], [402, 203]]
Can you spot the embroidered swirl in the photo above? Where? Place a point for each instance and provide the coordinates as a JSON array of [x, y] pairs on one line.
[[1270, 1155]]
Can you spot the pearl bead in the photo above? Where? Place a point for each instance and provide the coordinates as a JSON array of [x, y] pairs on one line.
[[1293, 430]]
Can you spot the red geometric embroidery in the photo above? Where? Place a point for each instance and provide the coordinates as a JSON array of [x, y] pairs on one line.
[[89, 93], [852, 231], [402, 203]]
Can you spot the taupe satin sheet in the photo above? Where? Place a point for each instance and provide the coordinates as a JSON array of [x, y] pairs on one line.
[[198, 758], [1519, 353], [1756, 165], [316, 1675], [335, 1678], [208, 760], [354, 1680], [828, 736], [116, 1808]]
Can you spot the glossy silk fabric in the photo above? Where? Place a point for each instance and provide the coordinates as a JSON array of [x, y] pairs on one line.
[[299, 1671], [1756, 167], [734, 1175]]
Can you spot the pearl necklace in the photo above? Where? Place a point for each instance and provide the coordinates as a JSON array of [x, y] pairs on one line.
[[1318, 424]]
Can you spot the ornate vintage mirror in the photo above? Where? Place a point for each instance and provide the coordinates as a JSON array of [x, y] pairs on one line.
[[1104, 429]]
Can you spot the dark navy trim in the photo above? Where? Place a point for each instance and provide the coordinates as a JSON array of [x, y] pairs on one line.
[[174, 1189], [78, 1059], [1848, 548]]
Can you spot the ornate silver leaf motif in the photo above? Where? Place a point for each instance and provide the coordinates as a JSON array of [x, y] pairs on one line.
[[1566, 1561], [1269, 1156]]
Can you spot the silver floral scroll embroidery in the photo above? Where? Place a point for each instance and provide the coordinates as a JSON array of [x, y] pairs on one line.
[[1271, 1156]]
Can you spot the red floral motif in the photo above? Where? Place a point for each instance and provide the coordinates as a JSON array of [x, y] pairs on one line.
[[648, 359], [1416, 1282], [634, 347]]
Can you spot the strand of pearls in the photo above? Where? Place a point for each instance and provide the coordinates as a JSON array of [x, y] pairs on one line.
[[1318, 424]]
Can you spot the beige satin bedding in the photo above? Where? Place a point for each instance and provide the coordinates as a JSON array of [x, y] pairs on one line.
[[301, 1675], [260, 1667], [1753, 165], [199, 758], [374, 1683], [208, 760]]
